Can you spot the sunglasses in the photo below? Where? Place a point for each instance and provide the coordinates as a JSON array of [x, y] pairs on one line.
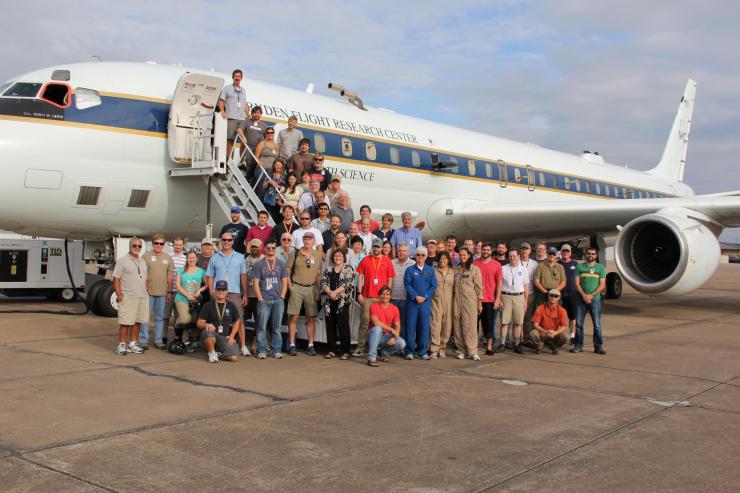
[[420, 255], [286, 239], [270, 248], [158, 243], [552, 253], [135, 246], [305, 219], [227, 239], [318, 160]]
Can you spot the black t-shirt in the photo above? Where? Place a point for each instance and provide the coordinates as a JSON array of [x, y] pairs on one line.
[[239, 231], [432, 261], [328, 237], [501, 261], [323, 177], [209, 314]]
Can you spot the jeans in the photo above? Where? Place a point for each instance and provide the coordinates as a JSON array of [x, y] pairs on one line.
[[156, 306], [377, 339], [594, 309], [401, 305], [271, 310], [418, 327]]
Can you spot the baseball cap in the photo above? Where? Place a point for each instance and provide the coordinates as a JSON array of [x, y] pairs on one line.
[[554, 292], [565, 247], [308, 234], [552, 250], [236, 209], [207, 241], [220, 285], [336, 178], [255, 242], [432, 241], [377, 242], [525, 245]]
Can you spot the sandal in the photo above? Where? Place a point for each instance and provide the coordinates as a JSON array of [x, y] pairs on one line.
[[329, 355], [344, 357]]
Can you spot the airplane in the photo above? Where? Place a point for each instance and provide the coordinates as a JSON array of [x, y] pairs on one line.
[[108, 150]]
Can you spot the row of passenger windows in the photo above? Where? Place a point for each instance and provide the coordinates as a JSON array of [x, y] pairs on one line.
[[506, 172]]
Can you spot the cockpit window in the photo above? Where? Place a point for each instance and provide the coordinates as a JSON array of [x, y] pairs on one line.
[[86, 98], [23, 90], [57, 94]]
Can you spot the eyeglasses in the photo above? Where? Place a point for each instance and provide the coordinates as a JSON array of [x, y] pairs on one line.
[[135, 246], [270, 248], [305, 219], [420, 255], [227, 239], [158, 243], [286, 239]]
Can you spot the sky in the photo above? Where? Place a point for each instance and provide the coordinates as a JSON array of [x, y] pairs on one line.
[[568, 74]]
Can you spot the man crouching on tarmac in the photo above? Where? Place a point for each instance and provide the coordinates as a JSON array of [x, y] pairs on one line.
[[218, 318]]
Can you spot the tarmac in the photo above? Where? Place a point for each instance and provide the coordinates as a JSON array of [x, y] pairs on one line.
[[659, 412]]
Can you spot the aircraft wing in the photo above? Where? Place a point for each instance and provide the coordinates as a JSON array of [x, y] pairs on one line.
[[557, 219]]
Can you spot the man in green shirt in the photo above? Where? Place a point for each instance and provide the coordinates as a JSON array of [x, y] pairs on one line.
[[591, 279]]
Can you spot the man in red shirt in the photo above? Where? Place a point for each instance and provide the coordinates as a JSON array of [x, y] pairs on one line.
[[262, 231], [365, 211], [492, 281], [550, 322], [385, 334], [375, 271]]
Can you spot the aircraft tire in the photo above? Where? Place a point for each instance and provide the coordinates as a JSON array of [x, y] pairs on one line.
[[106, 300], [91, 295], [613, 286]]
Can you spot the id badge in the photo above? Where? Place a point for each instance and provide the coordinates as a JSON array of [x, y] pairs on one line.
[[375, 281], [239, 104], [220, 329]]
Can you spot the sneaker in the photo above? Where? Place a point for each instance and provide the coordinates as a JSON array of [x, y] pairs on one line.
[[489, 352], [278, 355], [213, 357], [425, 357], [261, 355], [500, 349], [357, 353], [145, 347], [161, 346], [134, 348], [442, 354], [245, 351], [409, 357], [572, 340], [311, 351], [555, 351], [518, 349], [292, 351], [121, 350], [434, 355], [599, 350], [475, 357], [372, 362], [460, 355], [576, 349]]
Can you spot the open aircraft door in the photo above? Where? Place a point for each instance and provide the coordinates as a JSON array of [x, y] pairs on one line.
[[194, 136]]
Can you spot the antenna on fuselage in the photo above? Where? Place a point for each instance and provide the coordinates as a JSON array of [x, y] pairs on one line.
[[99, 58], [351, 96]]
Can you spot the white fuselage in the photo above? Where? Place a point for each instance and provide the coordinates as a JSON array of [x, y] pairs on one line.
[[44, 162]]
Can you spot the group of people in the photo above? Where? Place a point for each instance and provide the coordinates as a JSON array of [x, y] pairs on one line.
[[415, 299], [418, 300]]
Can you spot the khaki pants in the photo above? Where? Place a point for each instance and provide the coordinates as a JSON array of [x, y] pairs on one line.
[[364, 322], [540, 341]]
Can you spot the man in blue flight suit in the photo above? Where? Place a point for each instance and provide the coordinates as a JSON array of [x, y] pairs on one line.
[[420, 283]]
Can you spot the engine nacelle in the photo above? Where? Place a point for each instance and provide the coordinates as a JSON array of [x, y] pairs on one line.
[[666, 253]]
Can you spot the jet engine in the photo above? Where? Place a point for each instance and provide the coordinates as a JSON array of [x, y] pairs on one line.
[[666, 253]]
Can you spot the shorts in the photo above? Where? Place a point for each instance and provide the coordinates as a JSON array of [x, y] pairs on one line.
[[169, 308], [231, 126], [236, 299], [183, 313], [303, 296], [512, 309], [222, 346], [133, 311]]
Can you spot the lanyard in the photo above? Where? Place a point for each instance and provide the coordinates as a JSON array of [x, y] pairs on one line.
[[220, 313], [267, 262], [376, 268], [137, 263]]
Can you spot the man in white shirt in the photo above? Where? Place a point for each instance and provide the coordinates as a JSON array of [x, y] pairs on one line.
[[531, 265], [514, 294], [367, 235], [398, 291], [305, 220]]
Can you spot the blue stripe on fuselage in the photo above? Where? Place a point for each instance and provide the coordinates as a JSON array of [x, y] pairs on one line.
[[133, 114]]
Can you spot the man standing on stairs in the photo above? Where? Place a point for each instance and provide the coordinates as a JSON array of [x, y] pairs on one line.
[[238, 230], [232, 106]]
